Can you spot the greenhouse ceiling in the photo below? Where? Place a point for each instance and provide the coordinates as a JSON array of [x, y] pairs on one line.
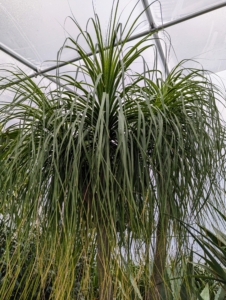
[[32, 32]]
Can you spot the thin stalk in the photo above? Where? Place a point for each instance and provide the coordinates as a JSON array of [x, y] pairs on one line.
[[147, 287], [103, 264], [160, 255]]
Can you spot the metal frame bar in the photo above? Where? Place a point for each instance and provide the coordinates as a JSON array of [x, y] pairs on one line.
[[156, 36], [191, 16], [39, 71], [18, 57], [179, 20]]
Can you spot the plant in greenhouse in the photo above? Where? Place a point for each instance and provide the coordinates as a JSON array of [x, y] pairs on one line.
[[104, 161]]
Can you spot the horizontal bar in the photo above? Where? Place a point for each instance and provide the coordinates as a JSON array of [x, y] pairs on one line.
[[191, 16]]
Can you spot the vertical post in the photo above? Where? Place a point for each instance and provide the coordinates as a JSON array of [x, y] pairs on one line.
[[156, 36]]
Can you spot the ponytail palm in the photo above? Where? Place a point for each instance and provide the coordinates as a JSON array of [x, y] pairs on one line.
[[98, 162], [186, 158]]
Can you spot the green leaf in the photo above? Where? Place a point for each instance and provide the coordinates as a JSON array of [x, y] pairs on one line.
[[221, 294], [136, 289], [205, 294]]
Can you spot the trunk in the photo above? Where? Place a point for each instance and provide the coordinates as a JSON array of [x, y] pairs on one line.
[[147, 273], [103, 264], [160, 255]]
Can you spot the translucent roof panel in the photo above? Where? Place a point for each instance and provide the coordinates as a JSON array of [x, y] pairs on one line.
[[168, 10], [37, 29], [202, 39]]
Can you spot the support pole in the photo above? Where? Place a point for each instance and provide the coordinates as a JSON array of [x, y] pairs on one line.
[[156, 36]]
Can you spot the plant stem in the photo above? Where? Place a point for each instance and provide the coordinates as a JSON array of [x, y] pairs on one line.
[[159, 256], [103, 264]]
